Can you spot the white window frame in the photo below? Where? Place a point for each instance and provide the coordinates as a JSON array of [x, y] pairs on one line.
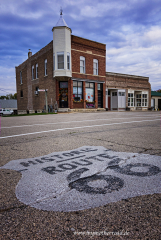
[[138, 100], [130, 99], [45, 67], [144, 99], [68, 60], [20, 77], [32, 72], [37, 70], [54, 61], [95, 67], [60, 62], [82, 65]]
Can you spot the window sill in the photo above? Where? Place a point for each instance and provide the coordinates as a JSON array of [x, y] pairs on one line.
[[45, 75], [21, 83]]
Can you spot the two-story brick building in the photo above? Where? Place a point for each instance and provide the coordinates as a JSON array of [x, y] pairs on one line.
[[71, 70]]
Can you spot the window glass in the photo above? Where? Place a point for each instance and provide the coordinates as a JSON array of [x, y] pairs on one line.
[[63, 84], [20, 77], [91, 85], [75, 83], [60, 59], [68, 61], [114, 94], [32, 72], [130, 99], [54, 61], [90, 92], [37, 70], [144, 100], [21, 93], [87, 84], [95, 66], [45, 67], [82, 64], [77, 91], [74, 90]]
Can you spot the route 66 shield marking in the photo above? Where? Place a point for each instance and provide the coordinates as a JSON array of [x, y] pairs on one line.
[[87, 177]]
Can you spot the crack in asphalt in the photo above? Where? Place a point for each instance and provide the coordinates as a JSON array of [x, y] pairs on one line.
[[13, 207]]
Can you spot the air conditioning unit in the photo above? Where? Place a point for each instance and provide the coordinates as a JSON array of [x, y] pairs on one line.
[[36, 92]]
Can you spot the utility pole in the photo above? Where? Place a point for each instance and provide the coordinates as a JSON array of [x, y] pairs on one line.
[[46, 100]]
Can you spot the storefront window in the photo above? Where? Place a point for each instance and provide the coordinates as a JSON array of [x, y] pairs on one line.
[[90, 92], [144, 100], [77, 91], [130, 99], [90, 102], [138, 100]]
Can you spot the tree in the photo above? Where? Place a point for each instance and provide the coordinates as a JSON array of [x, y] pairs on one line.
[[159, 91], [9, 96]]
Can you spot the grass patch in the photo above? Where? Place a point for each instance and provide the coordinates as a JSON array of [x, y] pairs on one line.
[[31, 114]]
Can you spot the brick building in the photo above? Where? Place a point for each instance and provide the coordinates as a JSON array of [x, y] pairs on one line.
[[127, 92], [71, 71]]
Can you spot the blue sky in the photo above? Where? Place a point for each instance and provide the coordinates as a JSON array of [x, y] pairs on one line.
[[131, 30]]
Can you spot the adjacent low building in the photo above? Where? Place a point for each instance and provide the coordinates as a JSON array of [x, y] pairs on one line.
[[156, 100], [10, 104], [128, 92], [70, 71]]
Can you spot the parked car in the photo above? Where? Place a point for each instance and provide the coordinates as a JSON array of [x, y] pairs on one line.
[[5, 112]]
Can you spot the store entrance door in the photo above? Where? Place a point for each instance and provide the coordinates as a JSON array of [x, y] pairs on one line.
[[63, 94], [100, 95], [159, 104]]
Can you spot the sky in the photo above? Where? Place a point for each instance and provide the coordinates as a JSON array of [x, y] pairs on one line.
[[131, 30]]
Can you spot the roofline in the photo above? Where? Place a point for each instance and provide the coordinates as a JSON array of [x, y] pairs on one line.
[[61, 27], [89, 40], [126, 75]]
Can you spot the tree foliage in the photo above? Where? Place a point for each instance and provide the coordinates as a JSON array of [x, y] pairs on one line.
[[9, 96], [159, 91]]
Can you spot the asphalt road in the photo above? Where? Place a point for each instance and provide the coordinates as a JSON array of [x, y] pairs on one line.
[[34, 136]]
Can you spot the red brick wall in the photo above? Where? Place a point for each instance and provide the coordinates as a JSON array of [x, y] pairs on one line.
[[90, 50], [80, 47], [30, 101]]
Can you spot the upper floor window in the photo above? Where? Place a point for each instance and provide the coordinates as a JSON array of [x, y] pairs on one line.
[[37, 71], [21, 93], [20, 77], [45, 64], [32, 72], [54, 61], [95, 67], [68, 61], [60, 60], [82, 64]]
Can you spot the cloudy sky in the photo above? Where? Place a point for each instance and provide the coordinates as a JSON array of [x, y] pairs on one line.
[[131, 30]]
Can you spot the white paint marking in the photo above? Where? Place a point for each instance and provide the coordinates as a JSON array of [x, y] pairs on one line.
[[104, 119], [98, 177], [62, 129]]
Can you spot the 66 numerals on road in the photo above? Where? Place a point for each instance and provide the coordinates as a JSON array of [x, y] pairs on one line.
[[113, 183]]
